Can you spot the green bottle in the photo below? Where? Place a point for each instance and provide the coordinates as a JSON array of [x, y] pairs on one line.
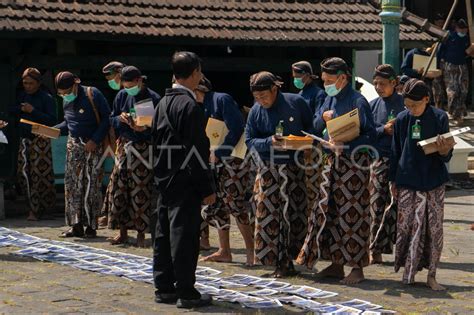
[[279, 129], [133, 113]]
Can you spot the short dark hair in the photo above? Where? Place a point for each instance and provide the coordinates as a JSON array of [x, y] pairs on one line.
[[184, 63]]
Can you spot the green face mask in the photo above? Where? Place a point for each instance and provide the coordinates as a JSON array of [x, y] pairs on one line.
[[69, 97], [298, 82], [114, 85], [133, 90]]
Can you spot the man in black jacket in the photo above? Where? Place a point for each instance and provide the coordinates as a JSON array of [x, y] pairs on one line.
[[184, 181]]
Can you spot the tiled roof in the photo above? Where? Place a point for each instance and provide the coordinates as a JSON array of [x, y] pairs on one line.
[[334, 21]]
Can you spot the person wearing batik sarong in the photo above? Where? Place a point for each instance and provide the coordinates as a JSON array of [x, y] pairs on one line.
[[130, 198], [232, 174], [86, 120], [305, 81], [439, 89], [339, 226], [112, 72], [385, 109], [418, 183], [453, 54], [280, 190], [35, 164]]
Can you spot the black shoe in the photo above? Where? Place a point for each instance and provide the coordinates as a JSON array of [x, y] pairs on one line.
[[75, 231], [205, 300], [166, 298], [90, 233]]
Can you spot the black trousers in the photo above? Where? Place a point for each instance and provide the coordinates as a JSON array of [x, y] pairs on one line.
[[176, 245]]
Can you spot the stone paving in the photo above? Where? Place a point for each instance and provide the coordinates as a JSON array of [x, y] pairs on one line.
[[29, 286]]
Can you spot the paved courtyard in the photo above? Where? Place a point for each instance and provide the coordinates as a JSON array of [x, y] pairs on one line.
[[30, 286]]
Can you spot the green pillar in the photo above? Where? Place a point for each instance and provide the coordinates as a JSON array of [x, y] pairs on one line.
[[391, 18]]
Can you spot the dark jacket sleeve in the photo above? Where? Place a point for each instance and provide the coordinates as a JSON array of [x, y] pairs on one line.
[[318, 122], [234, 121], [253, 139], [115, 114], [47, 116], [445, 129], [63, 127], [396, 151], [306, 115], [379, 127], [104, 113], [407, 66], [194, 129]]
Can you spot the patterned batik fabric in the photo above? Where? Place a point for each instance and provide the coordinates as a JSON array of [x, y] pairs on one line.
[[109, 195], [131, 197], [383, 213], [35, 174], [419, 231], [439, 91], [82, 193], [313, 170], [339, 226], [232, 183], [280, 196], [456, 79]]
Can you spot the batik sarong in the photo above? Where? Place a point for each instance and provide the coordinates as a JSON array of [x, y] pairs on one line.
[[383, 214], [82, 193], [35, 174], [339, 226], [419, 231], [280, 196], [439, 91], [456, 79], [232, 182], [131, 193]]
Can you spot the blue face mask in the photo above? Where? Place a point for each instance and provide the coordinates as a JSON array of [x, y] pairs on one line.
[[298, 82], [69, 97], [133, 90], [461, 34]]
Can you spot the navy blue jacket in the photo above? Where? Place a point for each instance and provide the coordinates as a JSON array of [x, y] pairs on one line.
[[347, 100], [44, 111], [80, 119], [409, 166], [261, 124], [314, 95], [122, 104], [453, 50], [407, 65], [222, 107], [381, 109]]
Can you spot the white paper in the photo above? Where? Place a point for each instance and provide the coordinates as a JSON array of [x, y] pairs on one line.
[[263, 292], [264, 304]]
